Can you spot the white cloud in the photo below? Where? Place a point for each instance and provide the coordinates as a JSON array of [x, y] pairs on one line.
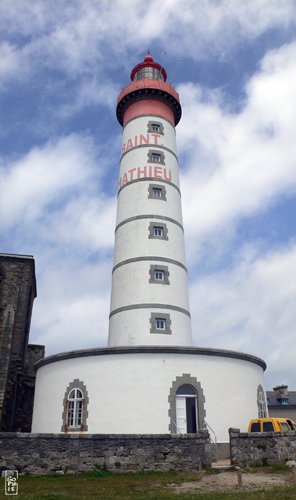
[[251, 308], [45, 176], [8, 58], [72, 307], [87, 222], [238, 163], [51, 200], [89, 92], [74, 39]]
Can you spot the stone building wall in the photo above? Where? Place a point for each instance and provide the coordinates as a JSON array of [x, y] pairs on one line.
[[261, 448], [49, 453], [282, 412], [17, 378]]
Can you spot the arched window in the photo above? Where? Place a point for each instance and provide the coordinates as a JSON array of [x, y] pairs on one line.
[[75, 407], [186, 405], [186, 409], [186, 390], [261, 402]]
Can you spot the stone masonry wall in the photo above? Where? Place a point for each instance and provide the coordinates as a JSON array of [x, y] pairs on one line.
[[26, 390], [17, 377], [49, 453], [261, 448]]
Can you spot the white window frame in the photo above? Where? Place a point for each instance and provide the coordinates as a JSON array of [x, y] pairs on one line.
[[159, 275], [158, 322], [157, 192], [75, 408], [155, 127], [158, 231], [261, 402], [163, 328], [156, 158]]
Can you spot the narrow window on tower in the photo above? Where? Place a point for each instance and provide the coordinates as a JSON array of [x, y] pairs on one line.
[[160, 323], [159, 275], [156, 157], [155, 128], [158, 231], [157, 192]]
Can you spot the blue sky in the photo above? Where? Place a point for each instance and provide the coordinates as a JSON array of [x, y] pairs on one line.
[[62, 65]]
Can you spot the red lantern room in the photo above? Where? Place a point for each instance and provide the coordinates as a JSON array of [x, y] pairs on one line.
[[148, 69], [148, 93]]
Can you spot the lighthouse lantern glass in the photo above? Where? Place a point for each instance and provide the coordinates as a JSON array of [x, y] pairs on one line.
[[148, 72]]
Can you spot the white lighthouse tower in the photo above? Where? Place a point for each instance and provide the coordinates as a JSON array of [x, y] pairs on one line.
[[150, 372], [149, 302]]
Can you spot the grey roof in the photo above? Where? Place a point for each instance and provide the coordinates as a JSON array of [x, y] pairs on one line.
[[273, 398], [16, 256], [105, 351]]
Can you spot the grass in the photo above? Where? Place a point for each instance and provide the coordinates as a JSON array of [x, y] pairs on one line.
[[269, 469], [133, 486]]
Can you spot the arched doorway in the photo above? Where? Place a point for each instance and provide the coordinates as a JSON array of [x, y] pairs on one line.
[[186, 409]]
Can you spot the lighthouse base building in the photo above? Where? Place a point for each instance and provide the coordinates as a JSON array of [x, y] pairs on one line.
[[150, 379], [150, 390]]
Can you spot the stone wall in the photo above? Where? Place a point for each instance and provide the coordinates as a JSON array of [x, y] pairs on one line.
[[261, 448], [49, 453], [26, 390], [17, 378]]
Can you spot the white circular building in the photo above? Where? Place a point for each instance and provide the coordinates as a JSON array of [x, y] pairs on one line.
[[150, 379]]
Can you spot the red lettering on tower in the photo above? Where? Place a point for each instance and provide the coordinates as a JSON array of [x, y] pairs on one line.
[[138, 140], [169, 177], [131, 172], [156, 137], [158, 172], [155, 172], [124, 179], [143, 171], [143, 139]]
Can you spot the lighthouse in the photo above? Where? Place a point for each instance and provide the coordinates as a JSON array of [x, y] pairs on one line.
[[149, 299], [150, 372]]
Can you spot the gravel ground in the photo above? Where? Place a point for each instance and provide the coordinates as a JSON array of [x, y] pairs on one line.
[[229, 480]]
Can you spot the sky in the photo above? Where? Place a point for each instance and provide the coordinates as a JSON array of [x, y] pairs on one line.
[[62, 65]]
